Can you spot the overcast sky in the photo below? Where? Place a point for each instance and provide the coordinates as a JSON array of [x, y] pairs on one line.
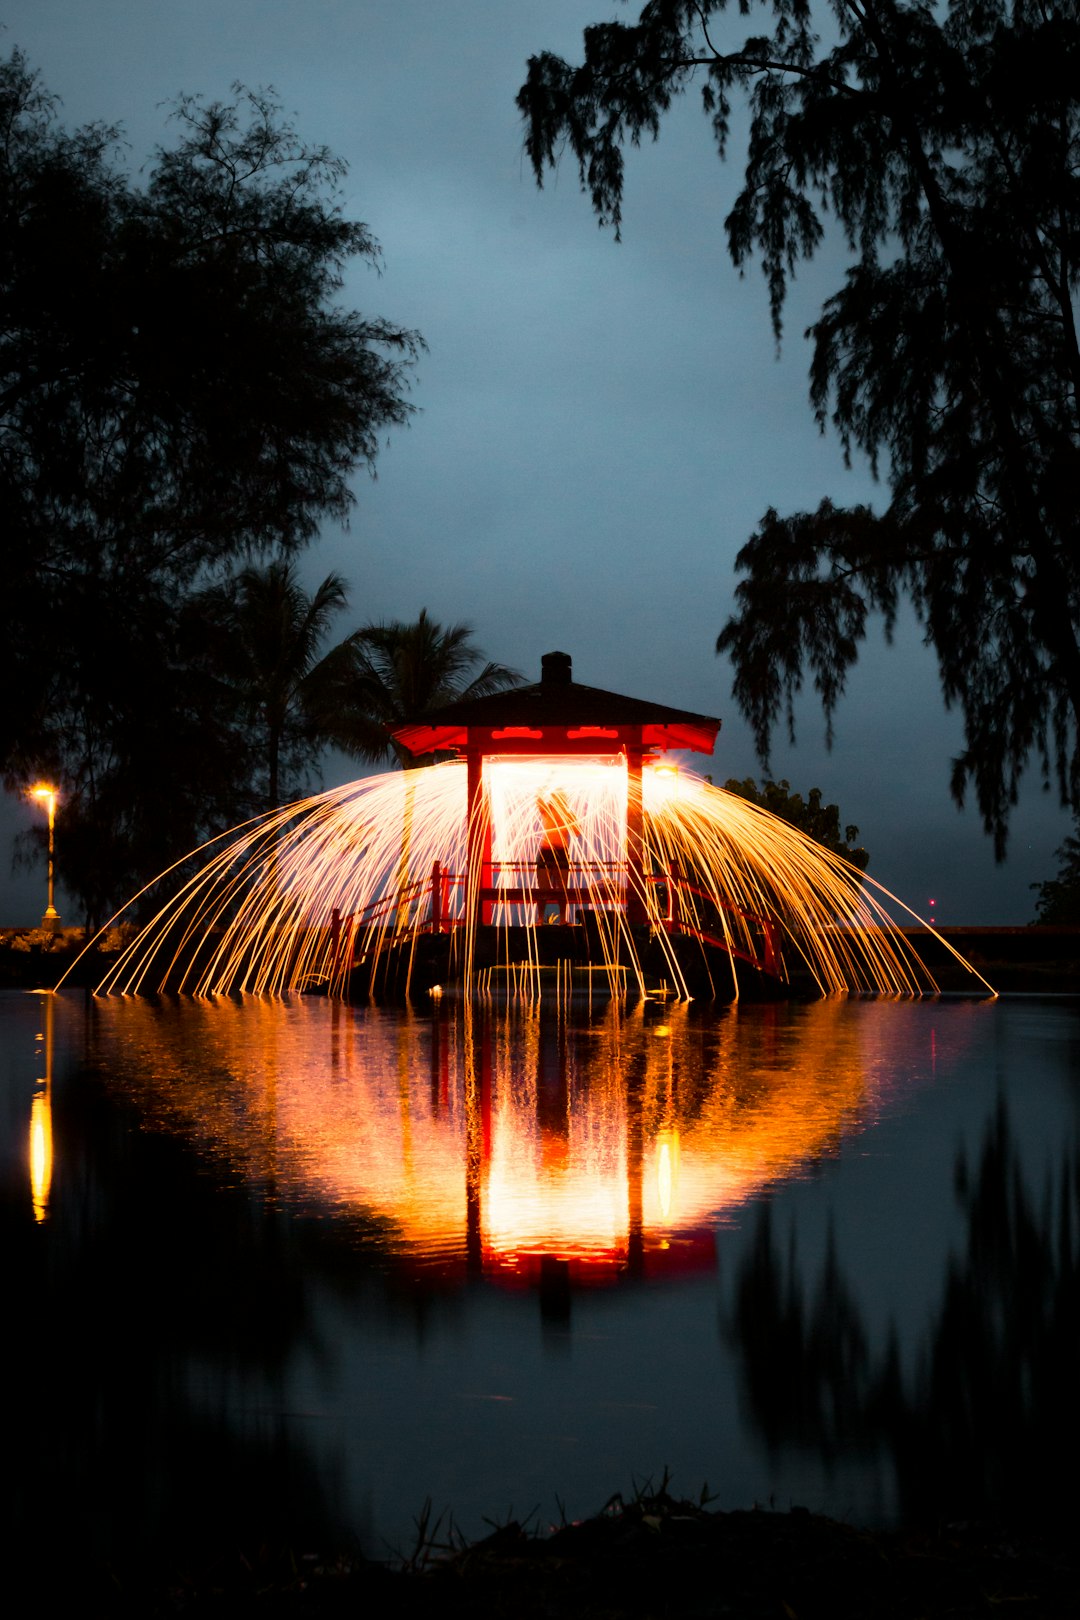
[[600, 425]]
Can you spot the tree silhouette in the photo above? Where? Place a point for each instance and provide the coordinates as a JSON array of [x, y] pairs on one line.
[[180, 386], [402, 672], [819, 821], [1059, 897], [271, 633], [944, 144]]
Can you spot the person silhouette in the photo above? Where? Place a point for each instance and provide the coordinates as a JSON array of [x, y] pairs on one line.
[[557, 824]]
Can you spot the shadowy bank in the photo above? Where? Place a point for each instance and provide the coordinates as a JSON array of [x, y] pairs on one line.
[[36, 958], [651, 1556]]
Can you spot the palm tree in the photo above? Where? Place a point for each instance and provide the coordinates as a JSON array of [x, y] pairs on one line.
[[274, 631], [401, 672]]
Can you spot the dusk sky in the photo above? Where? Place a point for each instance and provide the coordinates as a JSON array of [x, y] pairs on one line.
[[599, 425]]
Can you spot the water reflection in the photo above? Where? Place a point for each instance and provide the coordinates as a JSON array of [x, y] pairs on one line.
[[985, 1425], [41, 1134], [118, 1446], [485, 1145], [306, 1265]]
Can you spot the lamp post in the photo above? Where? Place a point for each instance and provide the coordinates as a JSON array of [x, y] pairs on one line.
[[47, 795]]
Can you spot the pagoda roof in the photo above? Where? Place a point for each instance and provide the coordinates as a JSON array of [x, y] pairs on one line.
[[561, 705]]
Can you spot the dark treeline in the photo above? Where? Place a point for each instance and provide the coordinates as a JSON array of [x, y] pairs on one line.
[[811, 815], [184, 400], [181, 394]]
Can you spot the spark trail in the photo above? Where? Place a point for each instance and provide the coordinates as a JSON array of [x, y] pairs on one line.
[[298, 897]]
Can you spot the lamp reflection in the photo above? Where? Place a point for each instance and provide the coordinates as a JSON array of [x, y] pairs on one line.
[[473, 1144], [41, 1134]]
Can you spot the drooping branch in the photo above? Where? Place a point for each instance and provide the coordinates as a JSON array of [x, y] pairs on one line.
[[946, 147]]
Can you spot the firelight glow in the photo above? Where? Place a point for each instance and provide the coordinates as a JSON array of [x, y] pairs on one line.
[[498, 1137], [299, 896]]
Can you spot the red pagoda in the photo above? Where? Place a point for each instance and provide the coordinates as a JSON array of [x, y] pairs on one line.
[[556, 717]]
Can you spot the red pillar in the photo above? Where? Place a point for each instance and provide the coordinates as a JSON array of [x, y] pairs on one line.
[[436, 898], [479, 840], [636, 911]]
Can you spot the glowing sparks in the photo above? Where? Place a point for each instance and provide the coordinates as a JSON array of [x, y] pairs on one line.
[[351, 878]]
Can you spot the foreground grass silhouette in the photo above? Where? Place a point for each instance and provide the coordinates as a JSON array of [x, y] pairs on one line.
[[654, 1555]]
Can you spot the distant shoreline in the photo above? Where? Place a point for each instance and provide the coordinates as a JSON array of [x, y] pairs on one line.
[[1015, 959]]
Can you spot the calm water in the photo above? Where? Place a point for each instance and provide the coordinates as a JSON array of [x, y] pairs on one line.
[[293, 1268]]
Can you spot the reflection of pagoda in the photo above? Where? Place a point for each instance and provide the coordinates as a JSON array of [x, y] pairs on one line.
[[579, 1186], [553, 726], [521, 1146]]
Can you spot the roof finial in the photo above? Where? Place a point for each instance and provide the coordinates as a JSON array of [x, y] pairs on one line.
[[556, 668]]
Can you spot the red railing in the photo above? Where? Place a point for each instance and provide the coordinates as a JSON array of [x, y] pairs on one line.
[[439, 888], [770, 958]]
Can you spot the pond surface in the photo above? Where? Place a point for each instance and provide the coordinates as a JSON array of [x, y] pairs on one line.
[[292, 1268]]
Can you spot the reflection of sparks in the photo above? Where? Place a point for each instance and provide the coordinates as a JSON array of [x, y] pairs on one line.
[[301, 895], [430, 1132]]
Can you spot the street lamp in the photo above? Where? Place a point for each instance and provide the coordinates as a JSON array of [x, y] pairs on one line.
[[47, 795]]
